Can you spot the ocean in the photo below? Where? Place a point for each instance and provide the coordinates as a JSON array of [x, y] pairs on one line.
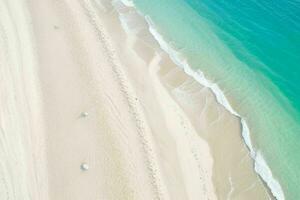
[[248, 53]]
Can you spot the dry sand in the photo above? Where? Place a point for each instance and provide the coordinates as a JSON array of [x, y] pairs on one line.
[[91, 111]]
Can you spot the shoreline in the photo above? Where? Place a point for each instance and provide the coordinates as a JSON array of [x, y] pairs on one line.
[[107, 113], [260, 167], [114, 141], [152, 59]]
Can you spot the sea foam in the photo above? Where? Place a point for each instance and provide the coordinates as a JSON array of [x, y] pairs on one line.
[[260, 164]]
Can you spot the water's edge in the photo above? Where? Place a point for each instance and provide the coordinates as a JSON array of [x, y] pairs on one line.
[[260, 165]]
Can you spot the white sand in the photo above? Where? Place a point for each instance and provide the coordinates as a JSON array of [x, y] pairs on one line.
[[23, 172], [89, 111]]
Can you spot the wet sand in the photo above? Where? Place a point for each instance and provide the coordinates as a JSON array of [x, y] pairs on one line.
[[110, 116]]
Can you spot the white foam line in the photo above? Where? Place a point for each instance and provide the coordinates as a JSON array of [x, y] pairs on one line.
[[128, 3], [260, 165]]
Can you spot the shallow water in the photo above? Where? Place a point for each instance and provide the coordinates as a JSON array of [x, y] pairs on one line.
[[250, 49]]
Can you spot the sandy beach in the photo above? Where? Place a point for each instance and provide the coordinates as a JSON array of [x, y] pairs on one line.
[[81, 85]]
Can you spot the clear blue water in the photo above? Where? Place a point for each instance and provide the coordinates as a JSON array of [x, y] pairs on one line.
[[251, 49], [269, 30]]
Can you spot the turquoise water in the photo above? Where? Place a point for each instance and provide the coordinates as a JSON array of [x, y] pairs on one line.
[[251, 49]]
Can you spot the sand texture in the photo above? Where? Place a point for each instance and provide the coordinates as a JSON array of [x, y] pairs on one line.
[[92, 108]]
